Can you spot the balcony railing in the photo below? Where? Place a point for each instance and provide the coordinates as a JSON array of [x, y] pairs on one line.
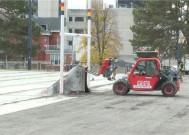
[[52, 47], [55, 48]]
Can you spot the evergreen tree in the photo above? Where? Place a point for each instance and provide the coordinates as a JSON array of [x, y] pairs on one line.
[[14, 29], [157, 24]]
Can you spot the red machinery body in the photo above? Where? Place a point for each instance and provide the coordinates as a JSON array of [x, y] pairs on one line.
[[104, 67]]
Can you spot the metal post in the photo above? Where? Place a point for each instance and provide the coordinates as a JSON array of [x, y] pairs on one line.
[[73, 45], [30, 36], [89, 41], [62, 49], [180, 46]]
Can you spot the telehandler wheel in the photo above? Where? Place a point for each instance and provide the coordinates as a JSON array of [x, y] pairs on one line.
[[168, 89], [120, 87]]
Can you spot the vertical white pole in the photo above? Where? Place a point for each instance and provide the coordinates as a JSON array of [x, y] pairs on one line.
[[89, 41], [62, 48]]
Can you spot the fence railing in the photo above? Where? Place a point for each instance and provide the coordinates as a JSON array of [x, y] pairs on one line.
[[56, 48], [44, 65], [36, 65]]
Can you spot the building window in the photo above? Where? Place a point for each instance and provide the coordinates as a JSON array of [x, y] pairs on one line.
[[79, 31], [70, 19], [70, 43], [111, 6], [128, 3], [79, 19], [70, 30], [55, 59], [45, 27]]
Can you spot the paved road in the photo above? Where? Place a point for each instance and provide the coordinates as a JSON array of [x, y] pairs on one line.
[[18, 86], [104, 113], [21, 90]]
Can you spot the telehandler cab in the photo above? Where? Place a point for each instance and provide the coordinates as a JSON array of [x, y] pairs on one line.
[[147, 75]]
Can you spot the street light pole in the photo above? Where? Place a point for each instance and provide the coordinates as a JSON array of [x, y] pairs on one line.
[[30, 36]]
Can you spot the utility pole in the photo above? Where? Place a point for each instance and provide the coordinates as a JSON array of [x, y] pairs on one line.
[[30, 36]]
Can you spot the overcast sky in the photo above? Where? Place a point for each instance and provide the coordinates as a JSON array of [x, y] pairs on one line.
[[77, 4], [81, 4]]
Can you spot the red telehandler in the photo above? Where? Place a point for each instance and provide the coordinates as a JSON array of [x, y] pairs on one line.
[[147, 75]]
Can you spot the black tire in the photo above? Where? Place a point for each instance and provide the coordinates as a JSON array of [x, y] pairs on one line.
[[168, 89], [120, 87]]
